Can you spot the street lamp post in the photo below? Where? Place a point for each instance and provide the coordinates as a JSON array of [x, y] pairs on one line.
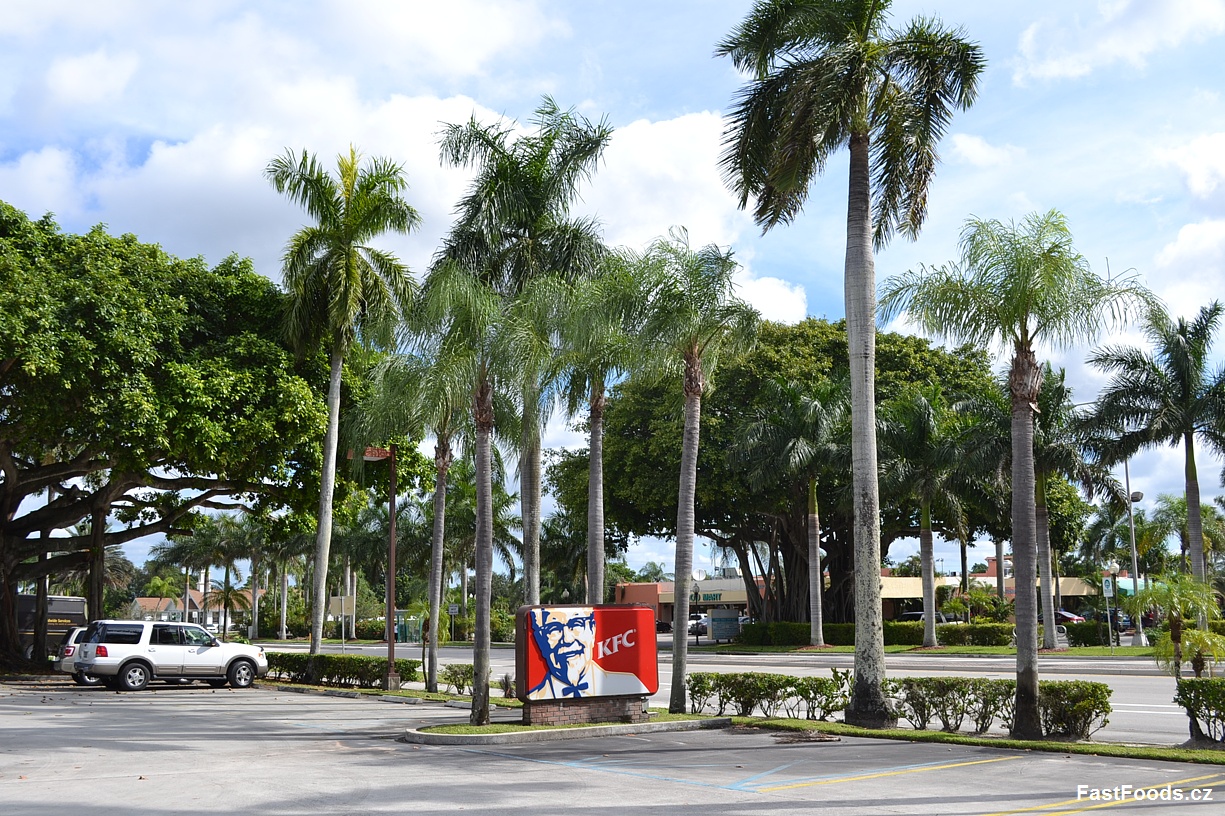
[[1112, 570], [392, 680], [1137, 638]]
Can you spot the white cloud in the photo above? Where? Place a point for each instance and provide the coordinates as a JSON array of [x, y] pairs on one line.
[[1190, 271], [776, 299], [657, 175], [1125, 31], [91, 79], [1202, 161], [976, 151]]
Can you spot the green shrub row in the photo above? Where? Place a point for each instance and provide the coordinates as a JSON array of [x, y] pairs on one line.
[[897, 633], [1069, 709], [1089, 633], [341, 671], [1204, 701], [459, 677]]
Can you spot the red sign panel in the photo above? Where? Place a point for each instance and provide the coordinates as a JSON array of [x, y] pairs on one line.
[[570, 651]]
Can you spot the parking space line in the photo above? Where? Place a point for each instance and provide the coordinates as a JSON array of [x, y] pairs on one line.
[[892, 772], [1046, 810]]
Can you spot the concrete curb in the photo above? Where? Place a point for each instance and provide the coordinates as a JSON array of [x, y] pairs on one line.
[[414, 735]]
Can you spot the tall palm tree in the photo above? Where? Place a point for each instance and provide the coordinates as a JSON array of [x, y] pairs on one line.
[[922, 439], [1018, 286], [693, 320], [798, 437], [829, 74], [1172, 516], [514, 225], [1167, 397], [599, 339], [341, 289]]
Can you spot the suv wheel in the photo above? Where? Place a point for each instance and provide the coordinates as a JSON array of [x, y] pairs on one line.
[[134, 677], [241, 674], [86, 679]]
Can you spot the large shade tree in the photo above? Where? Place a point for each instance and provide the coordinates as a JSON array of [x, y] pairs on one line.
[[1167, 396], [693, 320], [1017, 286], [341, 289], [827, 75]]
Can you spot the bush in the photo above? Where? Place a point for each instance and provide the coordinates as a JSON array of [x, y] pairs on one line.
[[990, 699], [789, 633], [460, 677], [903, 633], [342, 671], [823, 696], [1073, 709], [839, 634], [974, 634], [701, 687], [755, 634], [1089, 633], [371, 629], [501, 626], [914, 700], [1204, 701]]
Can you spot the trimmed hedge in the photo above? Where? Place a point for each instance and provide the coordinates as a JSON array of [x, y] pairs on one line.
[[1203, 698], [341, 671], [1089, 633], [897, 633], [1069, 709]]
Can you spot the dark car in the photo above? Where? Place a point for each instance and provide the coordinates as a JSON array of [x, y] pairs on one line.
[[663, 626]]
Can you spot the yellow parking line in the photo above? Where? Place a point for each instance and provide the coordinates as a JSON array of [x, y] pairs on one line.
[[1098, 806], [885, 773]]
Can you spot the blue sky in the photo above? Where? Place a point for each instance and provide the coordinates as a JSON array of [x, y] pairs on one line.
[[157, 119]]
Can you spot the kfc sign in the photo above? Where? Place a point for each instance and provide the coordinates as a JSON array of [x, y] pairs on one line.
[[564, 652]]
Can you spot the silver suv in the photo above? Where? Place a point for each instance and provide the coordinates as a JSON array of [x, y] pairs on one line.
[[128, 654]]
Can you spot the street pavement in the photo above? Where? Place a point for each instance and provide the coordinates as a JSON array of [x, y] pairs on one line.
[[191, 749]]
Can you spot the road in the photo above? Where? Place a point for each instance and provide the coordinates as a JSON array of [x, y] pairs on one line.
[[1142, 698], [189, 749]]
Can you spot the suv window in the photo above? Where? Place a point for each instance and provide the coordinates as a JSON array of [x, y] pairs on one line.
[[166, 635], [125, 633], [196, 636]]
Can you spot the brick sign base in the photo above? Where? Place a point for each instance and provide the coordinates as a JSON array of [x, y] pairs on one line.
[[594, 710]]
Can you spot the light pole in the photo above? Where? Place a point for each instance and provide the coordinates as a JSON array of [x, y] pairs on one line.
[[1112, 570], [1137, 638]]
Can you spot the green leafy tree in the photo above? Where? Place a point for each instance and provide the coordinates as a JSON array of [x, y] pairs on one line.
[[1017, 285], [799, 437], [140, 388], [693, 320], [1167, 397], [827, 75], [341, 289]]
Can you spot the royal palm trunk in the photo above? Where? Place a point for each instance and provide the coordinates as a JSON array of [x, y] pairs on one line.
[[442, 464], [816, 579], [929, 576], [1046, 586], [684, 532], [595, 501], [868, 706], [1024, 381], [484, 553], [327, 484]]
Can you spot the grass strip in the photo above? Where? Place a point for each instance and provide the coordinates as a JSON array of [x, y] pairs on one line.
[[511, 728], [1206, 756]]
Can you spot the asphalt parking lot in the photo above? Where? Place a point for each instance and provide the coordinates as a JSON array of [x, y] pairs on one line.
[[191, 749]]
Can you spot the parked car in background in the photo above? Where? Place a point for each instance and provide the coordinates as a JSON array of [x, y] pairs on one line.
[[663, 626], [70, 649], [699, 624], [127, 654], [920, 617]]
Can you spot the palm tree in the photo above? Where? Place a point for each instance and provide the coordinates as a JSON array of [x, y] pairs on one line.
[[922, 439], [422, 390], [1060, 451], [1183, 599], [798, 438], [160, 588], [1172, 516], [341, 290], [514, 225], [1167, 397], [693, 320], [828, 74], [599, 338], [1018, 286]]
